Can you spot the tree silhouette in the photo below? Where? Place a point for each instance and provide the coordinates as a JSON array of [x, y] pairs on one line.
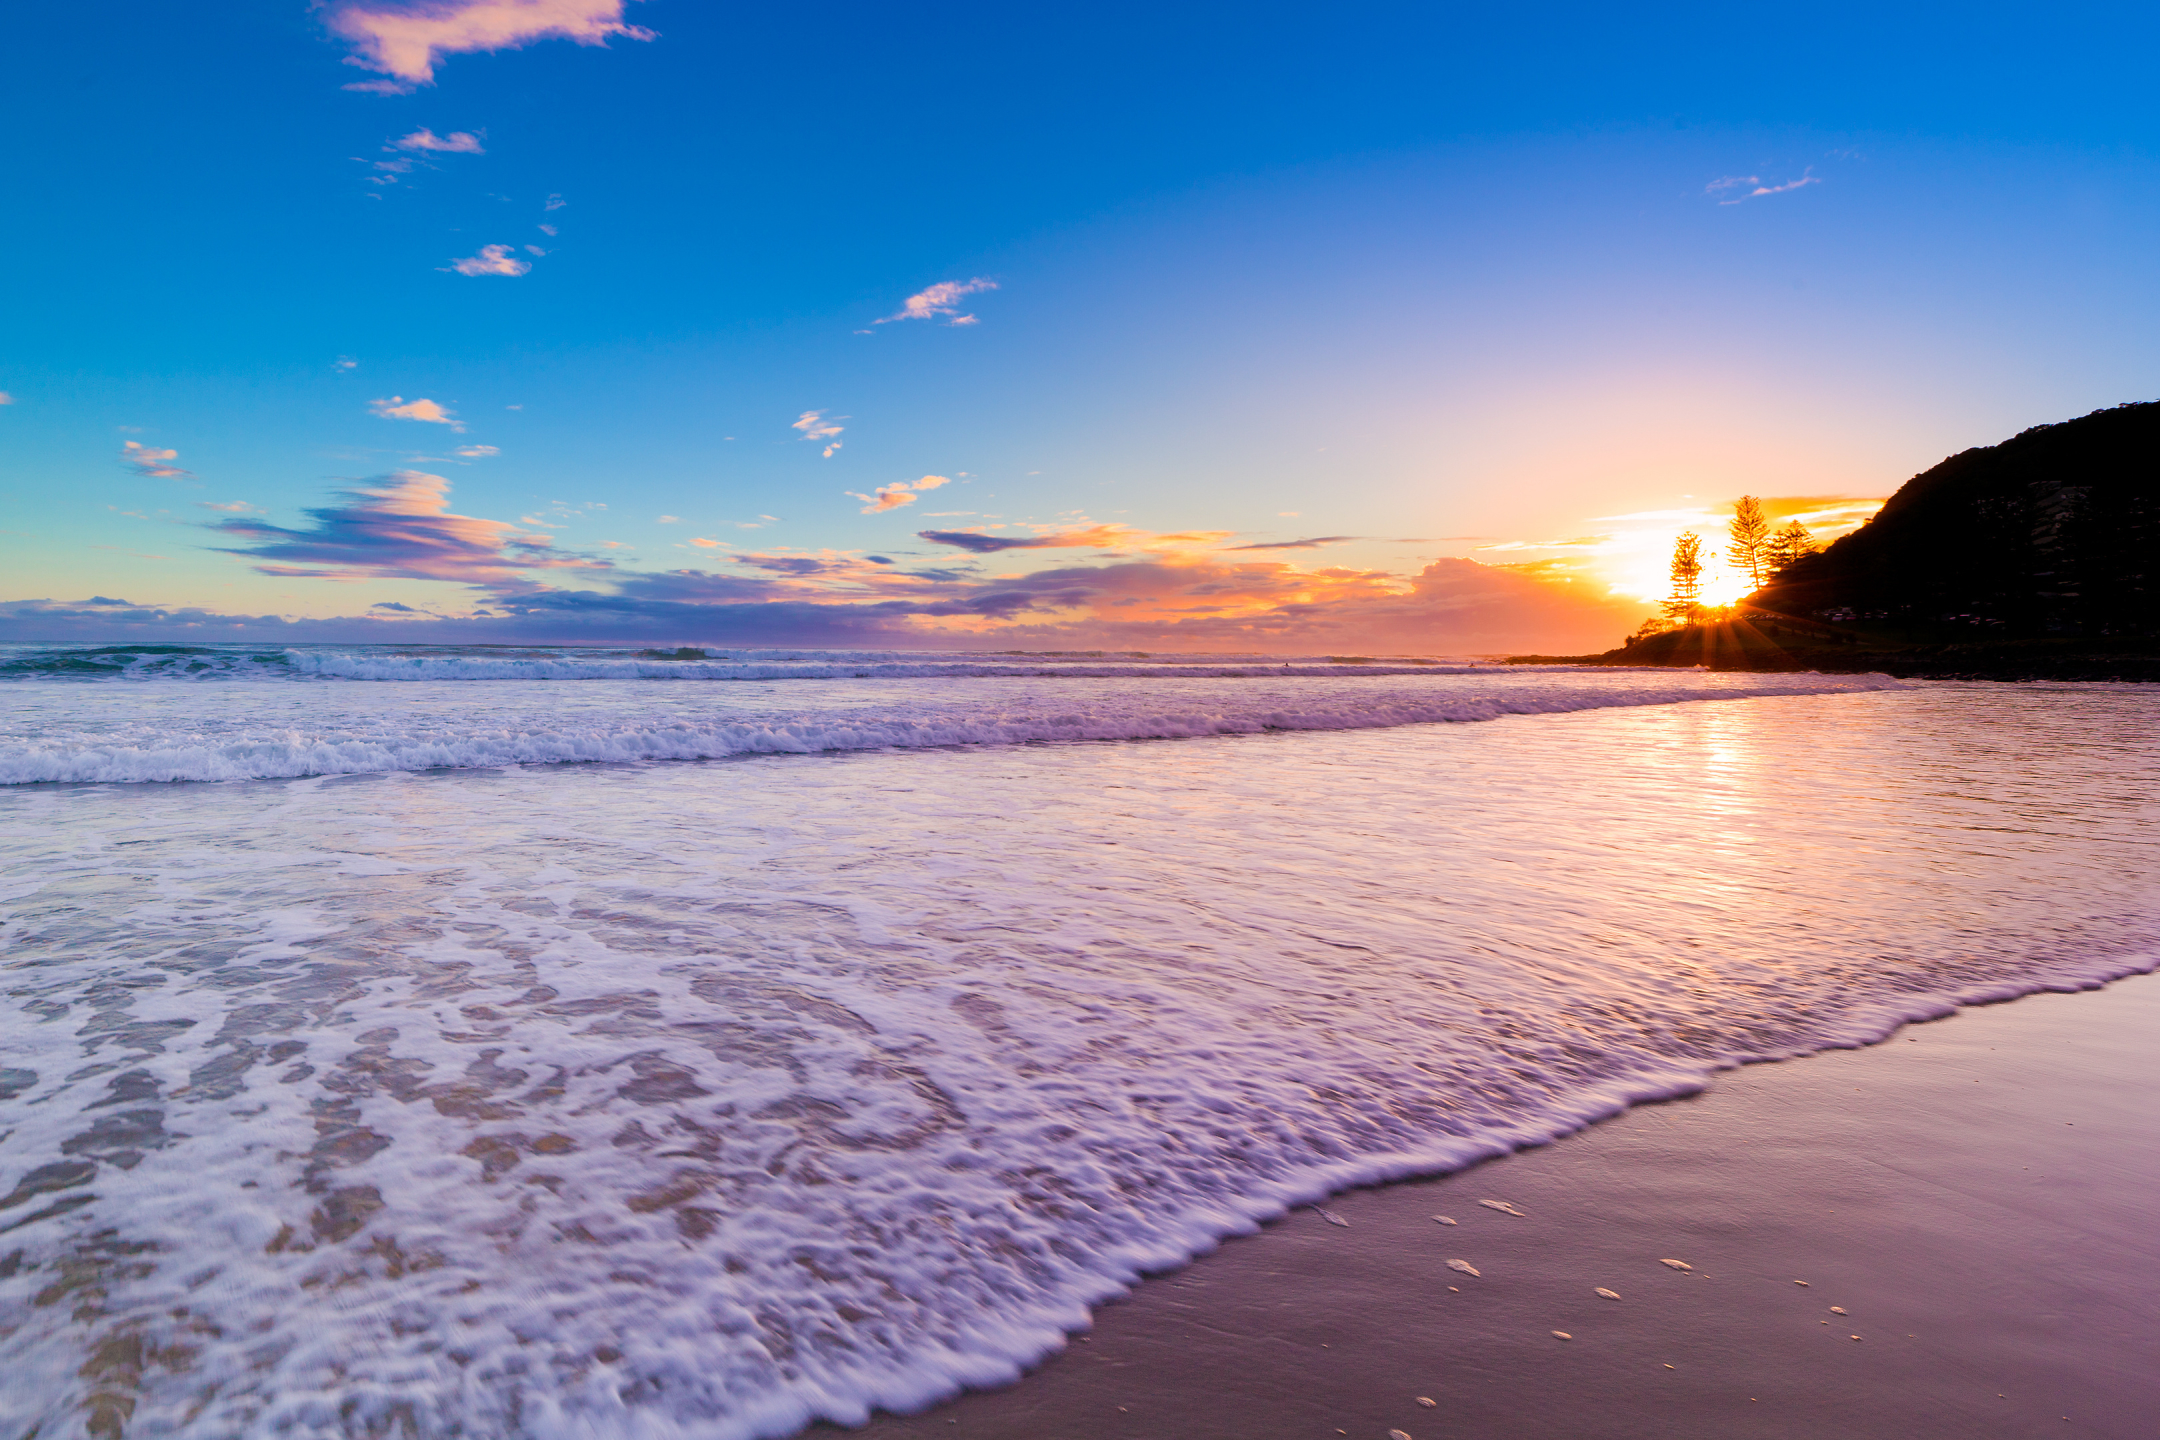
[[1789, 543], [1750, 537], [1686, 596]]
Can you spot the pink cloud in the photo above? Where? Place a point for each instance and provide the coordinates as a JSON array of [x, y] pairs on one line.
[[406, 42], [397, 407], [157, 464], [1093, 537], [815, 426], [940, 299], [492, 260], [400, 525], [457, 142]]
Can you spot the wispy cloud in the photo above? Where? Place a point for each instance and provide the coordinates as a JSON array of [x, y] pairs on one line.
[[492, 260], [475, 452], [457, 142], [397, 407], [892, 497], [235, 507], [6, 399], [406, 42], [1752, 186], [344, 363], [1313, 544], [399, 525], [1098, 537], [156, 464], [940, 299], [815, 427]]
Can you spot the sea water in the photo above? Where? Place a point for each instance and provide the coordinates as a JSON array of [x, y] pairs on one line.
[[592, 1043]]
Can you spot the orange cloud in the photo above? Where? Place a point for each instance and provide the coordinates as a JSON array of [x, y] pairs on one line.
[[892, 497], [406, 42]]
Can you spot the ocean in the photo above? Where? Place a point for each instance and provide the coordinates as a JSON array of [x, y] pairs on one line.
[[604, 1043]]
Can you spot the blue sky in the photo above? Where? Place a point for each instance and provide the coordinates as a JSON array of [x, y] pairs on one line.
[[1448, 289]]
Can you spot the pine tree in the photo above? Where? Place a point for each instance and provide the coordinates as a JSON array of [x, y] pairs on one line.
[[1750, 535], [1686, 597], [1789, 543]]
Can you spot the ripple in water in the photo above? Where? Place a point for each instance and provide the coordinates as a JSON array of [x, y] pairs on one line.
[[709, 1099]]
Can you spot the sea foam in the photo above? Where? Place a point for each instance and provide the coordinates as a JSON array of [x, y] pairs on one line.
[[708, 1100], [280, 732]]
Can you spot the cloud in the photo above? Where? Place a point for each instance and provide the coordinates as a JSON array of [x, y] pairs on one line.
[[492, 260], [236, 507], [475, 452], [6, 399], [704, 544], [393, 605], [1098, 537], [554, 202], [815, 427], [399, 525], [344, 363], [939, 300], [892, 497], [405, 43], [1176, 602], [1313, 544], [398, 408], [157, 464], [668, 520], [1752, 186], [457, 142]]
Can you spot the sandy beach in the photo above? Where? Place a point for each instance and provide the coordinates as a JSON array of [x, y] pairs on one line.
[[1968, 1204]]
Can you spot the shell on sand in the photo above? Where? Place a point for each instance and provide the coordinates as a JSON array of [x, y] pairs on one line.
[[1837, 1310], [1608, 1294], [1677, 1264], [1563, 1335], [1397, 1435], [1503, 1206], [1427, 1401], [1331, 1217], [1463, 1265], [1444, 1220]]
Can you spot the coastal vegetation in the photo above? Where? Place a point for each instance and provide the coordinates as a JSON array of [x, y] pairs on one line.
[[2031, 559]]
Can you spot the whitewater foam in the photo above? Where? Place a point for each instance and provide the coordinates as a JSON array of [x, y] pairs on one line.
[[63, 733], [706, 1100]]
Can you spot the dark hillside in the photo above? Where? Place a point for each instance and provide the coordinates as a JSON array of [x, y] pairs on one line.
[[2052, 532]]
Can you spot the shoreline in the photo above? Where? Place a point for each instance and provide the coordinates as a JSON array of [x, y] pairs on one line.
[[2003, 1238]]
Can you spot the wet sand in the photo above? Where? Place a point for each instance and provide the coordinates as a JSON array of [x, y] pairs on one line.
[[1978, 1195]]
